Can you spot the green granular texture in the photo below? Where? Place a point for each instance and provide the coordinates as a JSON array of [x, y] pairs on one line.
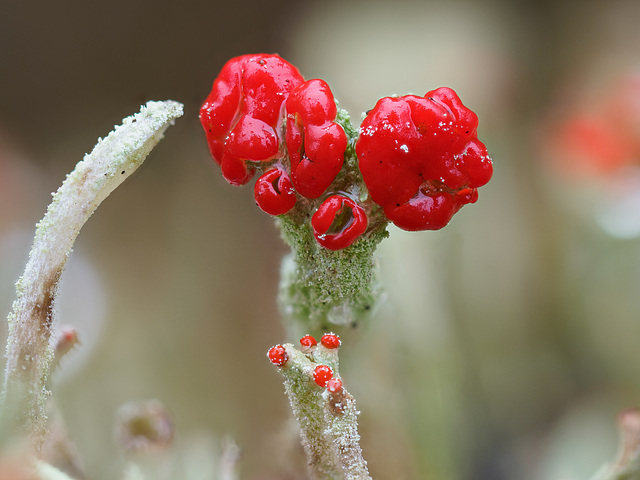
[[323, 290]]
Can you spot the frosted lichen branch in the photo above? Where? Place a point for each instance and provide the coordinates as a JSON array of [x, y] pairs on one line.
[[626, 466], [29, 353], [327, 419]]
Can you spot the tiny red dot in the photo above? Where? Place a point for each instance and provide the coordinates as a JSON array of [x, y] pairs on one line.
[[69, 335], [278, 355], [330, 340], [334, 385], [308, 341], [322, 374]]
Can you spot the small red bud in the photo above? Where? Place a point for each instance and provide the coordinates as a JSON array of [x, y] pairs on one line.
[[322, 374], [308, 341], [274, 192], [315, 143], [242, 113], [334, 385], [278, 355], [330, 340], [67, 339], [338, 222]]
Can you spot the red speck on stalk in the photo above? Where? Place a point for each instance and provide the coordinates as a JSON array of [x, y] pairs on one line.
[[330, 340], [322, 374], [278, 355], [334, 385], [308, 341]]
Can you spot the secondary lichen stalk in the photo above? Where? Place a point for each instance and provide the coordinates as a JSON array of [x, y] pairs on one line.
[[29, 351], [327, 419]]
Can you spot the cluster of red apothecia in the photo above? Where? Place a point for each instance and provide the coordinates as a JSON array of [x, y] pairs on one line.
[[419, 157], [322, 374]]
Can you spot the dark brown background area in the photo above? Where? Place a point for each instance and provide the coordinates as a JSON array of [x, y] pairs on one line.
[[84, 57]]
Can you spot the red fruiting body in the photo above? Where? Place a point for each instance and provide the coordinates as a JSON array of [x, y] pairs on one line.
[[278, 355], [338, 222], [242, 113], [69, 335], [334, 385], [330, 340], [274, 192], [322, 374], [308, 341], [316, 144], [421, 159]]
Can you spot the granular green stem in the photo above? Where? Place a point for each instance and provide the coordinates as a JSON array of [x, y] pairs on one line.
[[329, 432], [321, 289]]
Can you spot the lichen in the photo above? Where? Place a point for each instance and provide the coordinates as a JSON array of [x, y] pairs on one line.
[[322, 289], [328, 422], [29, 351]]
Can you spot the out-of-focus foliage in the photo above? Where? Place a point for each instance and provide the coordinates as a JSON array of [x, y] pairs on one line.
[[508, 340]]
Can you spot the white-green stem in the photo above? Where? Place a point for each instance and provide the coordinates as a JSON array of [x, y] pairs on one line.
[[29, 351], [328, 423], [324, 290]]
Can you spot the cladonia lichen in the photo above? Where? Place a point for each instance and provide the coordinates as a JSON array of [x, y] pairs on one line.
[[328, 422], [321, 288], [29, 353]]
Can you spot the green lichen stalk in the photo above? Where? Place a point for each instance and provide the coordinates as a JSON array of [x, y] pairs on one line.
[[29, 351], [327, 290], [322, 289], [328, 421]]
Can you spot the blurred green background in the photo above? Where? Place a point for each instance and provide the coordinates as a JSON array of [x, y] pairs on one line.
[[508, 341]]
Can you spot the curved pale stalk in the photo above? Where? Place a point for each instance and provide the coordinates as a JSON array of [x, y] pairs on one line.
[[626, 466], [29, 351]]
